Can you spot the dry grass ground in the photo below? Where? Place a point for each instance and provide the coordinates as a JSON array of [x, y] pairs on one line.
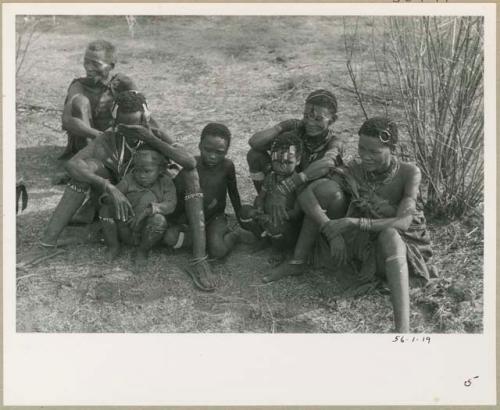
[[248, 73]]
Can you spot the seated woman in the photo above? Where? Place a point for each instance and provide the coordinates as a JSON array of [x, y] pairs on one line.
[[383, 231], [322, 151]]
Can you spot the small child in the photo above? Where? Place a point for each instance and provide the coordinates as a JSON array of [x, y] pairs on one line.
[[151, 192], [286, 152], [217, 180]]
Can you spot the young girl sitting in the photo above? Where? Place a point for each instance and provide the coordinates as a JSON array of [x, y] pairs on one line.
[[151, 192], [383, 231], [285, 152]]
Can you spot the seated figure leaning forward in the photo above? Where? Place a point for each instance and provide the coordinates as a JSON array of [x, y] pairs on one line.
[[382, 233], [89, 100], [106, 160], [321, 152]]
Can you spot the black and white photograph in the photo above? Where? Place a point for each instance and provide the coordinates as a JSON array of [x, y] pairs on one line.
[[249, 174]]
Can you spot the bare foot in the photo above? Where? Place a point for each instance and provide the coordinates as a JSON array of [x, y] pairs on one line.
[[285, 269], [112, 253], [276, 258], [140, 260], [38, 254], [202, 276]]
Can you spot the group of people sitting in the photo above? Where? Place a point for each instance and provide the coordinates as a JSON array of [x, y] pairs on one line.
[[311, 205]]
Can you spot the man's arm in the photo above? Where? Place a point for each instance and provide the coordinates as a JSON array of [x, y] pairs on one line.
[[83, 167], [176, 153], [77, 107]]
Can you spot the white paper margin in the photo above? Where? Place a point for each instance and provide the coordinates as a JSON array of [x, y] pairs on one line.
[[250, 369]]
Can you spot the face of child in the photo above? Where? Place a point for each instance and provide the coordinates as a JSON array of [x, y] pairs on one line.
[[146, 171], [213, 150], [375, 156], [95, 66], [284, 162], [317, 119]]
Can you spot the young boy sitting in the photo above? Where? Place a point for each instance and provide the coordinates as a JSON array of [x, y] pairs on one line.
[[151, 192], [286, 152], [217, 179]]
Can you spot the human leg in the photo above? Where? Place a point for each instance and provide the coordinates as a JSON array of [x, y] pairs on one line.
[[199, 268], [109, 231], [259, 163], [72, 199], [152, 233], [321, 201], [221, 240], [392, 248]]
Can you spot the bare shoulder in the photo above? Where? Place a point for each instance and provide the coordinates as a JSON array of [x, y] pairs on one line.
[[409, 170], [228, 165]]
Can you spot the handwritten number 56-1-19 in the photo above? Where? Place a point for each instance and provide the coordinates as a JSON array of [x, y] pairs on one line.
[[411, 339]]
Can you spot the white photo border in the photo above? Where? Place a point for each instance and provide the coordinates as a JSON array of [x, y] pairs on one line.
[[246, 369]]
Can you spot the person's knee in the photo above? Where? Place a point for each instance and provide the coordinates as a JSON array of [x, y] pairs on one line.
[[217, 248], [106, 211], [390, 242], [329, 193], [158, 222], [258, 164], [171, 236]]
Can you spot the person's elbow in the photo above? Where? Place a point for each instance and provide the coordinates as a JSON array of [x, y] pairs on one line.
[[254, 141], [188, 162], [72, 167], [67, 121], [404, 223]]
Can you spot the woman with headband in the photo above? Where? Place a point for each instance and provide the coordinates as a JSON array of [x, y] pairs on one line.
[[321, 153], [383, 232]]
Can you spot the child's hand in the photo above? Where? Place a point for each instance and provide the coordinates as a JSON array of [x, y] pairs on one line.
[[135, 222], [277, 204]]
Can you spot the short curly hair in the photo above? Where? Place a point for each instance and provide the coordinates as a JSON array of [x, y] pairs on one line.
[[103, 45], [147, 154], [218, 130], [130, 101], [382, 128], [288, 139]]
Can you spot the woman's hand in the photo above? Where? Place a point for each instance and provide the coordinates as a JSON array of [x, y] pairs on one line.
[[338, 250], [335, 227], [319, 168], [123, 209]]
